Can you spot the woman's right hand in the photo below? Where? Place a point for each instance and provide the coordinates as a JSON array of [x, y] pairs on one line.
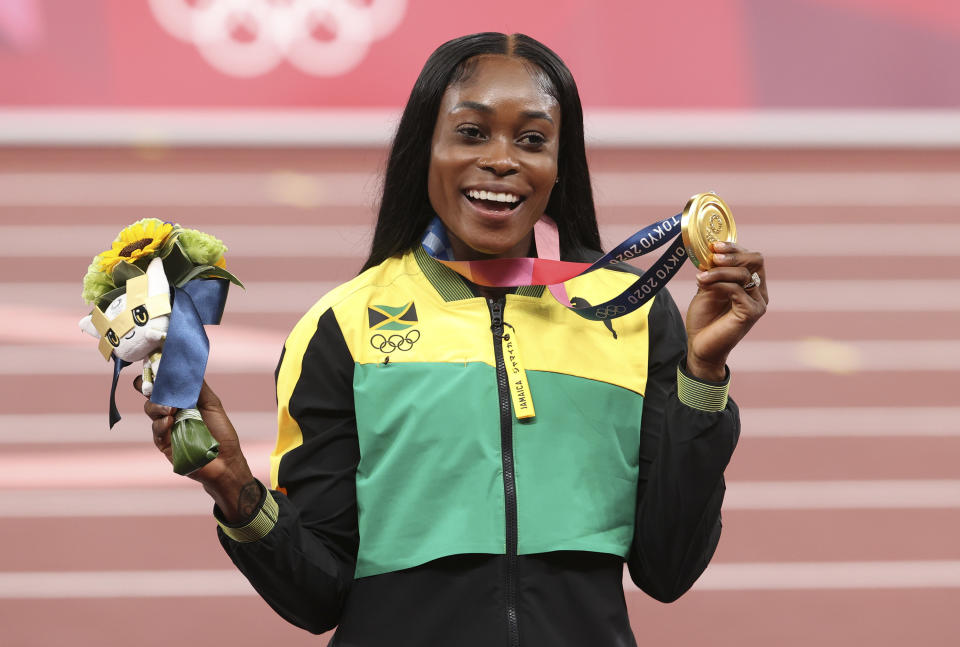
[[227, 478]]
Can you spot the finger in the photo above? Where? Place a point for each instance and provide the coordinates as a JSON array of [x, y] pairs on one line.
[[758, 287], [732, 254], [211, 409], [162, 425], [725, 253], [752, 260], [138, 383], [734, 293], [736, 281], [738, 275], [161, 433], [727, 247], [208, 400], [155, 411], [730, 284]]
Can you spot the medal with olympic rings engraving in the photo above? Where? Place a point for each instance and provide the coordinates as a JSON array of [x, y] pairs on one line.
[[706, 219]]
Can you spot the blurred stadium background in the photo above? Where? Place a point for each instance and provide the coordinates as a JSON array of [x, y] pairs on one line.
[[831, 127]]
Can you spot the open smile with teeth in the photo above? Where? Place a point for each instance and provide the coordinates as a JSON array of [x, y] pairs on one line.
[[493, 201]]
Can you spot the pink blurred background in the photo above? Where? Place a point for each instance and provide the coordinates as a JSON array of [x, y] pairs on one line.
[[831, 127], [684, 55]]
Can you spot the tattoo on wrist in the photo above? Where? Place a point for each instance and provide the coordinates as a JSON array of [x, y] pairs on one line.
[[249, 499]]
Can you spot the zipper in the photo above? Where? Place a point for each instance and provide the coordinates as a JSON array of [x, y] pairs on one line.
[[509, 476]]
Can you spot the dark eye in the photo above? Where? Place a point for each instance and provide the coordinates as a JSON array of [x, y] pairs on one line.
[[470, 132], [140, 315], [533, 139], [112, 338]]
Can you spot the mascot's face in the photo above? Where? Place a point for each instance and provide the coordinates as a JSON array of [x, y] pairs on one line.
[[135, 323]]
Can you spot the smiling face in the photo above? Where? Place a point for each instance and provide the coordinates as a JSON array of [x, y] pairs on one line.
[[134, 324], [141, 340], [494, 158]]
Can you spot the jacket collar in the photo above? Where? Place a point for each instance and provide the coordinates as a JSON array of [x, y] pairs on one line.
[[453, 287]]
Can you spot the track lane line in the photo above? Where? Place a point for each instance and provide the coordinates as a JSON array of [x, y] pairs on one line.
[[239, 351], [764, 576], [772, 422], [792, 576], [161, 493], [849, 422]]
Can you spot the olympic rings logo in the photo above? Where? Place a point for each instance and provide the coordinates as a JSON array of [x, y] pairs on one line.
[[609, 311], [394, 342], [716, 224], [247, 38]]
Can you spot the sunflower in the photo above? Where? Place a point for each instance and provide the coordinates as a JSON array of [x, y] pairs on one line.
[[142, 239]]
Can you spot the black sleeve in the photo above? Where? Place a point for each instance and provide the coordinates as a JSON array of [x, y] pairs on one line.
[[304, 566], [683, 453]]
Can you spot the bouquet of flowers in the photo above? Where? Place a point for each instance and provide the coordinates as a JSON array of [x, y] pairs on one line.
[[152, 292]]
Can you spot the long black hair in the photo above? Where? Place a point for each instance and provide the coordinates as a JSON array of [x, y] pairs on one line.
[[405, 206]]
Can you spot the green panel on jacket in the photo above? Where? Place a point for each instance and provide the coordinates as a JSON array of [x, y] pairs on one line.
[[419, 495], [576, 466], [422, 496]]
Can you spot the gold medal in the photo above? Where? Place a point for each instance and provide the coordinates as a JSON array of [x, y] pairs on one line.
[[706, 219]]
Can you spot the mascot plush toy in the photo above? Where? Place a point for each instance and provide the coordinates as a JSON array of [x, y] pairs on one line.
[[134, 325], [152, 293]]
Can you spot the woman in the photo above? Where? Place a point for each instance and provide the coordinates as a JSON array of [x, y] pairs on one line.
[[411, 502]]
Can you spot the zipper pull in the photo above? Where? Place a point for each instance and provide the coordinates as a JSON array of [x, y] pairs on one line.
[[496, 317], [516, 375]]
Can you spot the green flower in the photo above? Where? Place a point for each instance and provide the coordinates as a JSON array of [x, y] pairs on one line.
[[201, 248], [95, 282]]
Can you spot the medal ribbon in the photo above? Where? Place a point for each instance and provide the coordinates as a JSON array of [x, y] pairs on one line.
[[548, 270]]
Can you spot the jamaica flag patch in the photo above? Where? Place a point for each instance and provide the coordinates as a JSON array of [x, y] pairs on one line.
[[392, 317]]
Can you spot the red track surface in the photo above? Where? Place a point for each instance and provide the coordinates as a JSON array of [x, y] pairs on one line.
[[725, 609]]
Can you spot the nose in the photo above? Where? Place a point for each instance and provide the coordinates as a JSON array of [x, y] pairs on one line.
[[499, 161]]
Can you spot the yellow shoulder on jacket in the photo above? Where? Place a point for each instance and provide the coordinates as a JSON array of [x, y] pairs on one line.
[[600, 285], [289, 434], [397, 313], [614, 349], [344, 297]]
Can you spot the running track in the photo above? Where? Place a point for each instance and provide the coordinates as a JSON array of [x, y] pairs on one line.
[[842, 521]]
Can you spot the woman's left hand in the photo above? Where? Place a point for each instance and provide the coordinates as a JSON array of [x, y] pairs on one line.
[[723, 310]]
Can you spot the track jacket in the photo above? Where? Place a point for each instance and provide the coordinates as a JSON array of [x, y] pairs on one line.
[[453, 470]]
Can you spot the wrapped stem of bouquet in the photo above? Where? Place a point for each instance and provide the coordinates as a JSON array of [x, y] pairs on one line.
[[152, 293]]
